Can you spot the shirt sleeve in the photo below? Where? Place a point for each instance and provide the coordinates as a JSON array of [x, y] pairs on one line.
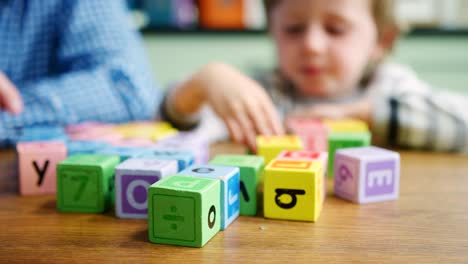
[[408, 113], [102, 74]]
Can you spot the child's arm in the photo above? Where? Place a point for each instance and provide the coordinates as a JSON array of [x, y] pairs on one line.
[[239, 101], [102, 74], [422, 118], [402, 110]]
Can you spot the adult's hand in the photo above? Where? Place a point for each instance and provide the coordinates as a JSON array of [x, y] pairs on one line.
[[10, 98]]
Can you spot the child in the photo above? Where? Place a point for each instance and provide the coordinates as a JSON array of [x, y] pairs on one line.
[[330, 65]]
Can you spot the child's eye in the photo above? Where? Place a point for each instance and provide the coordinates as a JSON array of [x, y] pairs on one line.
[[294, 30], [336, 30]]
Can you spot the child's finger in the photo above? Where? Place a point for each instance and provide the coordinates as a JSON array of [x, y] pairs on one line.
[[10, 98], [246, 126], [258, 117], [234, 130], [272, 115]]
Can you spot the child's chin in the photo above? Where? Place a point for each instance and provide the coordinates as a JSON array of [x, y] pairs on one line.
[[318, 92]]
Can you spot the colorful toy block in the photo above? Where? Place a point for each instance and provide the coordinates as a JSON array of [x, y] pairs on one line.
[[314, 134], [133, 177], [132, 142], [270, 147], [309, 155], [230, 188], [42, 134], [293, 190], [345, 140], [346, 125], [147, 130], [184, 158], [124, 152], [188, 141], [84, 147], [37, 161], [251, 171], [368, 174], [84, 183], [87, 127], [184, 210]]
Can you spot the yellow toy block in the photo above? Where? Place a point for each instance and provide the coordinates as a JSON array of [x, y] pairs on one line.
[[293, 189], [346, 125], [270, 147], [163, 132], [152, 131]]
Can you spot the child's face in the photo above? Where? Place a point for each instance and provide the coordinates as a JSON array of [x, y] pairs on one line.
[[324, 46]]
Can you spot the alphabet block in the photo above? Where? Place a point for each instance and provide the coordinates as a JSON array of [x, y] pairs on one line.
[[133, 177], [37, 161], [310, 155], [345, 140], [293, 189], [183, 210], [230, 188], [346, 125], [42, 134], [184, 158], [84, 183], [251, 171], [84, 147], [368, 174], [314, 134], [270, 147], [124, 152], [188, 141]]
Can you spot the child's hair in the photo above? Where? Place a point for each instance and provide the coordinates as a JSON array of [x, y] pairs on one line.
[[382, 11]]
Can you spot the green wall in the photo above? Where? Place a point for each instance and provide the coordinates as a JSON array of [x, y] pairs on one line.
[[441, 60]]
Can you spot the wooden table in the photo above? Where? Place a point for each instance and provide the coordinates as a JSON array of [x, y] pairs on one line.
[[429, 223]]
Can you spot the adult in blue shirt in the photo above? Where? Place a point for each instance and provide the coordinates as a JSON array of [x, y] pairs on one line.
[[68, 61]]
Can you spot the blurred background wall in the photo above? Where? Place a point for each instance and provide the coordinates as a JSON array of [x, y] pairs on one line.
[[182, 35]]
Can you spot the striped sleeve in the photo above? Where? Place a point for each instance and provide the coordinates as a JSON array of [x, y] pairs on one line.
[[408, 113]]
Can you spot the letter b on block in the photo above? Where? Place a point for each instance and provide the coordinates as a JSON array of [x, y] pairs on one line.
[[293, 189], [184, 210]]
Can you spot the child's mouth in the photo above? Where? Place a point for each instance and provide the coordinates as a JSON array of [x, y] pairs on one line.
[[312, 70]]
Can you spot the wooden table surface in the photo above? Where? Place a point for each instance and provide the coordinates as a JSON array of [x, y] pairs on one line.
[[429, 223]]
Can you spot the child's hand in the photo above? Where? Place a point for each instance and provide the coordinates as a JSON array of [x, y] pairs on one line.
[[10, 98], [361, 109], [239, 101]]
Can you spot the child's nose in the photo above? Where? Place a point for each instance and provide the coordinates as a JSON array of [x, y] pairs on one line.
[[315, 40]]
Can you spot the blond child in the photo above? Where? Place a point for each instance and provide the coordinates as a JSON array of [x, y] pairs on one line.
[[331, 64]]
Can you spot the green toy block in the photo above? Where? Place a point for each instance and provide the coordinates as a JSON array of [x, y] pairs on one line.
[[84, 183], [184, 210], [345, 140], [251, 173]]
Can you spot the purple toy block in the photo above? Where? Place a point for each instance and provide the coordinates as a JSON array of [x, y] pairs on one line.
[[188, 141], [132, 180], [367, 174]]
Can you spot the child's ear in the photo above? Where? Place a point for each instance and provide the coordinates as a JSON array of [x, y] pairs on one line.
[[385, 42]]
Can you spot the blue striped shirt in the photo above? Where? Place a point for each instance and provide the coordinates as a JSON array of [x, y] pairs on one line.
[[72, 61]]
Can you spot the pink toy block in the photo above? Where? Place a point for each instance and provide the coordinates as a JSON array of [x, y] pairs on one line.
[[86, 127], [309, 155], [367, 174], [132, 142], [313, 133], [37, 163]]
